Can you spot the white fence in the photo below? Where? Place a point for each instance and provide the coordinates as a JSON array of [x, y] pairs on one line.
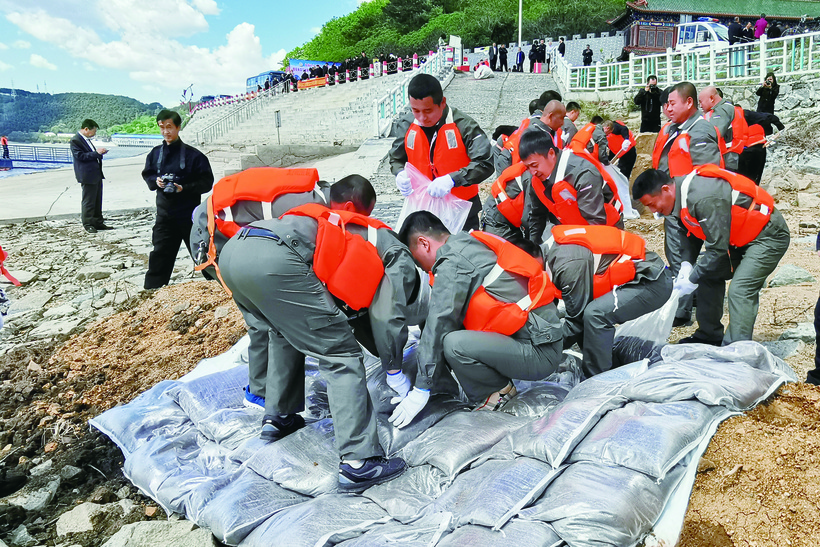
[[788, 56]]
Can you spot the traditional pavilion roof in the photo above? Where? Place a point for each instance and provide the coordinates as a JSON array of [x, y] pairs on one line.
[[774, 9]]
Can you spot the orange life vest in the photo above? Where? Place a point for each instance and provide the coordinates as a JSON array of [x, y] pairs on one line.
[[616, 141], [261, 184], [678, 158], [582, 138], [739, 130], [563, 199], [346, 263], [755, 134], [558, 138], [3, 256], [605, 240], [449, 153], [747, 222], [488, 314], [512, 142], [511, 208]]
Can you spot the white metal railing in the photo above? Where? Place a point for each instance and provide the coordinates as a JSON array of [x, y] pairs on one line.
[[394, 102], [243, 110], [786, 56]]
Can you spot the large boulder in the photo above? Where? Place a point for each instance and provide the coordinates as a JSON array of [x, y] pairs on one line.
[[172, 533]]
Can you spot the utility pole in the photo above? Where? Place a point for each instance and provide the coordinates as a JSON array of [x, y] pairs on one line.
[[520, 19]]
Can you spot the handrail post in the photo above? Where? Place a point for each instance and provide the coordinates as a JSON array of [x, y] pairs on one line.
[[762, 63]]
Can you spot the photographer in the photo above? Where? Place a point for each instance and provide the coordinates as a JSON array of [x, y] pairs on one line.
[[768, 93], [180, 174], [649, 99]]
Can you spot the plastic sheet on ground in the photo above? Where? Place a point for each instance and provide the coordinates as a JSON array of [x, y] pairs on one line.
[[655, 326], [595, 469]]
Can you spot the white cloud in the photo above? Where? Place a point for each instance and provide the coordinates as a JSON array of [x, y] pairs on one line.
[[277, 58], [5, 66], [41, 62], [21, 44], [3, 46], [208, 7], [89, 67], [315, 30]]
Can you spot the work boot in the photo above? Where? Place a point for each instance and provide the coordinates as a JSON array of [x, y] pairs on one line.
[[497, 400], [373, 471], [697, 339], [252, 400], [275, 428]]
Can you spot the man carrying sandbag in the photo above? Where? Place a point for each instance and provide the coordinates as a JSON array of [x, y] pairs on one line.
[[744, 237], [606, 277], [444, 144], [492, 315]]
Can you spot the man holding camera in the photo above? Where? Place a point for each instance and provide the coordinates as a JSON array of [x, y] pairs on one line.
[[180, 174], [649, 99]]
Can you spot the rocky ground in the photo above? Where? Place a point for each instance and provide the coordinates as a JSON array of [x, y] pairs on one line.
[[83, 337]]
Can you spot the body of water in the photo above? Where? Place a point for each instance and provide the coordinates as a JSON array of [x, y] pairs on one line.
[[115, 152]]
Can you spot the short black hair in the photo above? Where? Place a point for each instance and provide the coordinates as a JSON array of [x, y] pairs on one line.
[[353, 188], [534, 105], [572, 106], [651, 77], [88, 123], [665, 94], [166, 114], [546, 97], [422, 223], [649, 183], [597, 120], [504, 130], [423, 86], [535, 141], [686, 90]]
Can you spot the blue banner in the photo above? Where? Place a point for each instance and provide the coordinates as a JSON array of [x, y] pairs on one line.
[[298, 66]]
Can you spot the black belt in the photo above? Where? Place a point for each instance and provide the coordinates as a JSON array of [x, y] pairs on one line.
[[258, 232]]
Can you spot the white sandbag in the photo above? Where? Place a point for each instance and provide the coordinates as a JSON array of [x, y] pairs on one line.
[[314, 522], [460, 438], [747, 351], [235, 356], [421, 533], [569, 373], [516, 533], [306, 461], [648, 437], [552, 437], [232, 426], [242, 504], [482, 72], [535, 399], [451, 210], [623, 192], [203, 396], [594, 505], [150, 415], [655, 326], [607, 383], [406, 495], [486, 494]]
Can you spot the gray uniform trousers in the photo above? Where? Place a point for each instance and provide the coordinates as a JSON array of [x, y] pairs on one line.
[[485, 362], [596, 333], [273, 286], [752, 264]]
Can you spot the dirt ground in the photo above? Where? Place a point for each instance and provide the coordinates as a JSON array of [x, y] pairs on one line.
[[758, 484]]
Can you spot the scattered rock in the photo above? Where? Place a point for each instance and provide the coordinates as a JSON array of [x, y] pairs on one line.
[[90, 517], [93, 273], [179, 533], [181, 307], [53, 328], [221, 311], [808, 200], [102, 495], [803, 331], [789, 274], [151, 511], [50, 447], [41, 469], [36, 500], [20, 536], [123, 492], [69, 473], [783, 348], [23, 276], [806, 240], [59, 311], [34, 300]]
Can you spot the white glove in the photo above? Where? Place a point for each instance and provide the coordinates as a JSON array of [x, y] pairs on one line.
[[399, 383], [441, 186], [682, 283], [625, 146], [403, 183], [408, 407]]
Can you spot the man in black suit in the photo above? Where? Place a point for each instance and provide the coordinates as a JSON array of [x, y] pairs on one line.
[[88, 170]]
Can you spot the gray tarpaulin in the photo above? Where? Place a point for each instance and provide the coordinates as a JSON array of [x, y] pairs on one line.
[[591, 464]]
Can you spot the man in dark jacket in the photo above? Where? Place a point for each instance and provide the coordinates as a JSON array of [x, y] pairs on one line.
[[562, 47], [502, 58], [587, 55], [88, 170], [179, 174], [533, 56], [649, 99], [735, 31]]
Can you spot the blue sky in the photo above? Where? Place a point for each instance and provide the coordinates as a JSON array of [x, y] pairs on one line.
[[152, 49]]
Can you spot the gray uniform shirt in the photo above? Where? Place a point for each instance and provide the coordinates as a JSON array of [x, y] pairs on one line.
[[389, 308], [568, 130], [599, 138], [460, 268], [703, 144], [476, 142], [722, 116]]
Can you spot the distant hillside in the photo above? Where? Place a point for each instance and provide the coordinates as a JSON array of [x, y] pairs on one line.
[[64, 112]]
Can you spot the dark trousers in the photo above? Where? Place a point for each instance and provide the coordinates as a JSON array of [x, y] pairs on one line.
[[813, 377], [752, 162], [472, 218], [650, 124], [169, 232], [91, 208], [493, 62], [503, 64], [5, 151], [627, 162]]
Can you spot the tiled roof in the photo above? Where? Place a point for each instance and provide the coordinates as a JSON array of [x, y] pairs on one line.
[[772, 8]]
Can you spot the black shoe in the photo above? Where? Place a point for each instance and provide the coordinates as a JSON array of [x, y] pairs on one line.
[[90, 229], [695, 339], [275, 428], [813, 377], [375, 470], [104, 227], [682, 322]]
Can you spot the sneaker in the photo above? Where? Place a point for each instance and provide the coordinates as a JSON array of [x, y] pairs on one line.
[[695, 339], [375, 470], [252, 400], [275, 428], [499, 399]]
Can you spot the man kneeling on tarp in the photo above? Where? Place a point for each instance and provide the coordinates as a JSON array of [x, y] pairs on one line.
[[744, 235], [606, 277], [492, 315]]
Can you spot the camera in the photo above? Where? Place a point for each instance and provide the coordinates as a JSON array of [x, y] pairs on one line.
[[169, 179], [653, 86]]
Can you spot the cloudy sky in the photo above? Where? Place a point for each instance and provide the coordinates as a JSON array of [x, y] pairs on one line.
[[152, 50]]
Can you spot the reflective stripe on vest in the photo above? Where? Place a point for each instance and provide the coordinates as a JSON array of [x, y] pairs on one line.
[[563, 201], [602, 241], [349, 266], [511, 208], [582, 138], [678, 159], [485, 312], [448, 153], [259, 184], [747, 222]]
